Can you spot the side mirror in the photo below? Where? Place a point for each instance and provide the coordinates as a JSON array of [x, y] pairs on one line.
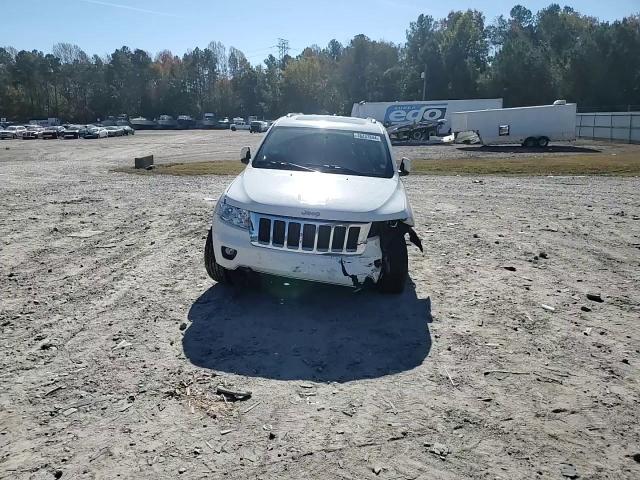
[[405, 167], [245, 155]]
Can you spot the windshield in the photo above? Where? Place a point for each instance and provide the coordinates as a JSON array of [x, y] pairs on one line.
[[331, 151]]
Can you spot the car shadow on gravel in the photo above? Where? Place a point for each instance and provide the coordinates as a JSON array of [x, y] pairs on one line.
[[521, 149], [308, 332]]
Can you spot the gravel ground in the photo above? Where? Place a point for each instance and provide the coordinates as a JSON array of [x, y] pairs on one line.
[[114, 339]]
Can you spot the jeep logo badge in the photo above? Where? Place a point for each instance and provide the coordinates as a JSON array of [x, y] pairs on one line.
[[310, 213]]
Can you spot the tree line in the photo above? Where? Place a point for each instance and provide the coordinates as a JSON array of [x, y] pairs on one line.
[[525, 58]]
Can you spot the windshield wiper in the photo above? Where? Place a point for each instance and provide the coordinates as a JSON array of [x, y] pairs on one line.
[[342, 169], [289, 164]]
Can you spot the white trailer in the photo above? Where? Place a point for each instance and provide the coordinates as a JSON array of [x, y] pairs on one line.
[[394, 113], [528, 126]]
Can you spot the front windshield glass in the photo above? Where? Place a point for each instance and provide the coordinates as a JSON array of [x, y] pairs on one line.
[[341, 152]]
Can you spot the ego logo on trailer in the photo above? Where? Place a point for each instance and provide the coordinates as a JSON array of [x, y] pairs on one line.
[[414, 112]]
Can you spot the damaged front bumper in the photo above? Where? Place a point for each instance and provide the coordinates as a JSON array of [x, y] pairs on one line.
[[338, 269]]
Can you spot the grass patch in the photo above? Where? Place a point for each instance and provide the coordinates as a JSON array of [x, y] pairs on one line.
[[626, 164], [226, 167]]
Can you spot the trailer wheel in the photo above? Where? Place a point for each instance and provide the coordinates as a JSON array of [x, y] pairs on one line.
[[530, 142], [543, 142]]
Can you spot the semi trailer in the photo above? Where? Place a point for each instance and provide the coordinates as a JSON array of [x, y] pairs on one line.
[[529, 126]]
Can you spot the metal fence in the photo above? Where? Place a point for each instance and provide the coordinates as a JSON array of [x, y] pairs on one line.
[[613, 126]]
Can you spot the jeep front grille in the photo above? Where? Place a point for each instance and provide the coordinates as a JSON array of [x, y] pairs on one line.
[[308, 236]]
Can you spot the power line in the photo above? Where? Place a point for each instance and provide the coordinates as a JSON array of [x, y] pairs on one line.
[[283, 50]]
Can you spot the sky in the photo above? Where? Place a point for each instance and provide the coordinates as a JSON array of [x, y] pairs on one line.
[[101, 26]]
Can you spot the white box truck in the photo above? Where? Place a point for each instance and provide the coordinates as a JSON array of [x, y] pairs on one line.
[[528, 126], [395, 113]]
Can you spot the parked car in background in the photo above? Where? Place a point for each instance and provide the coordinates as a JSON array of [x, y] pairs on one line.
[[258, 126], [223, 124], [12, 132], [52, 132], [96, 132], [32, 132], [321, 199], [208, 121], [84, 129], [239, 124], [71, 131], [167, 122], [115, 131], [128, 130]]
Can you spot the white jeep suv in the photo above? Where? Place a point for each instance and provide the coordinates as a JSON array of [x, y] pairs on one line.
[[320, 200]]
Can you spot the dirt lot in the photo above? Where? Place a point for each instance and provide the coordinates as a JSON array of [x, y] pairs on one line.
[[114, 339]]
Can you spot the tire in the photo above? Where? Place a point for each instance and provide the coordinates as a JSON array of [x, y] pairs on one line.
[[417, 135], [530, 142], [395, 264], [543, 142], [215, 271]]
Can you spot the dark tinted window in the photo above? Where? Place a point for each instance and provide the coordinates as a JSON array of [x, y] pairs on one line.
[[330, 151]]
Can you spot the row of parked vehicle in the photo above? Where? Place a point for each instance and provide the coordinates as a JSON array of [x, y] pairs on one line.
[[32, 132]]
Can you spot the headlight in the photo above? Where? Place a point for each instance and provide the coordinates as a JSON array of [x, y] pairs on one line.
[[238, 217]]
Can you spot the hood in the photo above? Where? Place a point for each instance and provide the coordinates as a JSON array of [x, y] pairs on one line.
[[316, 195]]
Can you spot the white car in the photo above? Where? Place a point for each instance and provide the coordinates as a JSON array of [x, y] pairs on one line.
[[96, 132], [32, 132], [320, 200], [239, 124], [12, 131]]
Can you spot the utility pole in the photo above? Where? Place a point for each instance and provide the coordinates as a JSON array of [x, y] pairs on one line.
[[283, 50], [424, 84]]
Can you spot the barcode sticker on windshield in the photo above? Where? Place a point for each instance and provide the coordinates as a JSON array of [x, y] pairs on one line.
[[365, 136]]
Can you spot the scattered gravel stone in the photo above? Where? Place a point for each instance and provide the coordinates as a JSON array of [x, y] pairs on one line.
[[595, 297], [439, 449], [568, 470]]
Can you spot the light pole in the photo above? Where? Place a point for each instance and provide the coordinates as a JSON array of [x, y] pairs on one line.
[[423, 76]]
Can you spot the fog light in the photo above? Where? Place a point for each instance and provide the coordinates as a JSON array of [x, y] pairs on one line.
[[229, 253]]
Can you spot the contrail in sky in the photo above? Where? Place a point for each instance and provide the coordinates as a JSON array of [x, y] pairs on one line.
[[128, 7]]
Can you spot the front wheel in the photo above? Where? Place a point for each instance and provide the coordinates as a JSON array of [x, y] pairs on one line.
[[395, 265], [215, 271], [530, 142]]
